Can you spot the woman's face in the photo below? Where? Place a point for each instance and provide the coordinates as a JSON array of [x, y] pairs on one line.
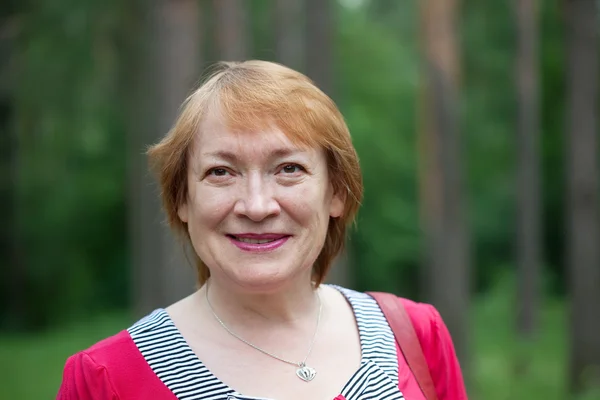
[[258, 207]]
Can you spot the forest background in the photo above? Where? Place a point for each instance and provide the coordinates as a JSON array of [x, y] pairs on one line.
[[476, 123]]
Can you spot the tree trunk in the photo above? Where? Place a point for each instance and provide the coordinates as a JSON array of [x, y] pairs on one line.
[[319, 43], [13, 276], [528, 170], [443, 219], [231, 30], [583, 217], [170, 67], [289, 35]]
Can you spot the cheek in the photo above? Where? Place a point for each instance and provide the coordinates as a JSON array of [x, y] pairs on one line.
[[210, 206], [309, 205]]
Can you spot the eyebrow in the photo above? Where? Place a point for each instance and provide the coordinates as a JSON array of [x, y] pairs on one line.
[[231, 157], [225, 155]]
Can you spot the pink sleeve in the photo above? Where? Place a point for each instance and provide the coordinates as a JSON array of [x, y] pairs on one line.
[[83, 379], [438, 350]]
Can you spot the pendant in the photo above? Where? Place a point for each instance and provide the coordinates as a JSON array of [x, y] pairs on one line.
[[305, 373]]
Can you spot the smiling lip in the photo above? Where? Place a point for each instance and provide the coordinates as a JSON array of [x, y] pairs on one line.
[[254, 242]]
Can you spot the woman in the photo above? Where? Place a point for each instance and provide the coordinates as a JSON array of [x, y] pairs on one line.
[[259, 174]]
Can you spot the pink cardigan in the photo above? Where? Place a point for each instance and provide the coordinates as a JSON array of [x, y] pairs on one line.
[[114, 368]]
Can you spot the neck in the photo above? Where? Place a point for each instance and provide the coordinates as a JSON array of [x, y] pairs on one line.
[[289, 305]]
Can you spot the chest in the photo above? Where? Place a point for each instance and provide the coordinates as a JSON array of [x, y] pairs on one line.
[[335, 357], [354, 357]]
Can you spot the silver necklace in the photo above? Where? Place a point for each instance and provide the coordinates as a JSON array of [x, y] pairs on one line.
[[303, 371]]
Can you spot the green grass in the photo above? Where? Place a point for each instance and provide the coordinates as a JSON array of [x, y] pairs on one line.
[[502, 367], [31, 366], [506, 368]]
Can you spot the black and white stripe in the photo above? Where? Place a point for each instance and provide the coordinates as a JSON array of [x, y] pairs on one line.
[[173, 360], [178, 367], [377, 378]]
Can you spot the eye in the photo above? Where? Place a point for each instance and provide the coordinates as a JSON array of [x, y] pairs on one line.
[[218, 172], [291, 168]]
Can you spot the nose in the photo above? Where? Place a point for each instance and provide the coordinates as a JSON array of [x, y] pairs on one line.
[[256, 200]]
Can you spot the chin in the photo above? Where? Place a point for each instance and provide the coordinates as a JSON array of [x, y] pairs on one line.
[[261, 279]]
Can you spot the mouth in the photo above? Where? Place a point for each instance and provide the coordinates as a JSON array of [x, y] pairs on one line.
[[258, 242]]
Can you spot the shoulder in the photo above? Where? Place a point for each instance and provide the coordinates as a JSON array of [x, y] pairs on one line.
[[438, 349], [110, 350], [106, 369], [426, 320], [436, 345], [121, 348], [85, 374]]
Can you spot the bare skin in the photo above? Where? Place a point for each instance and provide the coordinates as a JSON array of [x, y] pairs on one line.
[[335, 356]]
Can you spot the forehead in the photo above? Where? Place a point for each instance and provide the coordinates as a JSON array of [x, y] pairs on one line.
[[215, 137]]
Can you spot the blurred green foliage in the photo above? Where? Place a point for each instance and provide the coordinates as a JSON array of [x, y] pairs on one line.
[[71, 116]]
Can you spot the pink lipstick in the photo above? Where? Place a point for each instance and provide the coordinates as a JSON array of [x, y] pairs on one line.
[[254, 242]]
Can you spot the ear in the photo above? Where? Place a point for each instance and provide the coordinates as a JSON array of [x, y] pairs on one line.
[[182, 212], [338, 203]]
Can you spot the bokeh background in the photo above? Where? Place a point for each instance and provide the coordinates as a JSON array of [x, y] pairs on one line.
[[475, 122]]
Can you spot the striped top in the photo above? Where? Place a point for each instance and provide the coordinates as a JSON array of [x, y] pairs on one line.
[[177, 366], [151, 360]]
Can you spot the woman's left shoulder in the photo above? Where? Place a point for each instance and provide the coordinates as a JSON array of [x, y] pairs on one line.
[[438, 348], [426, 320], [436, 344]]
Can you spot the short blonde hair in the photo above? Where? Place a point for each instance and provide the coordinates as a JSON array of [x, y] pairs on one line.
[[252, 96]]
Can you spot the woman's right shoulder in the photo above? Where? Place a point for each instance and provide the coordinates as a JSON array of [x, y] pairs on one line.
[[110, 367], [86, 373], [121, 347]]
